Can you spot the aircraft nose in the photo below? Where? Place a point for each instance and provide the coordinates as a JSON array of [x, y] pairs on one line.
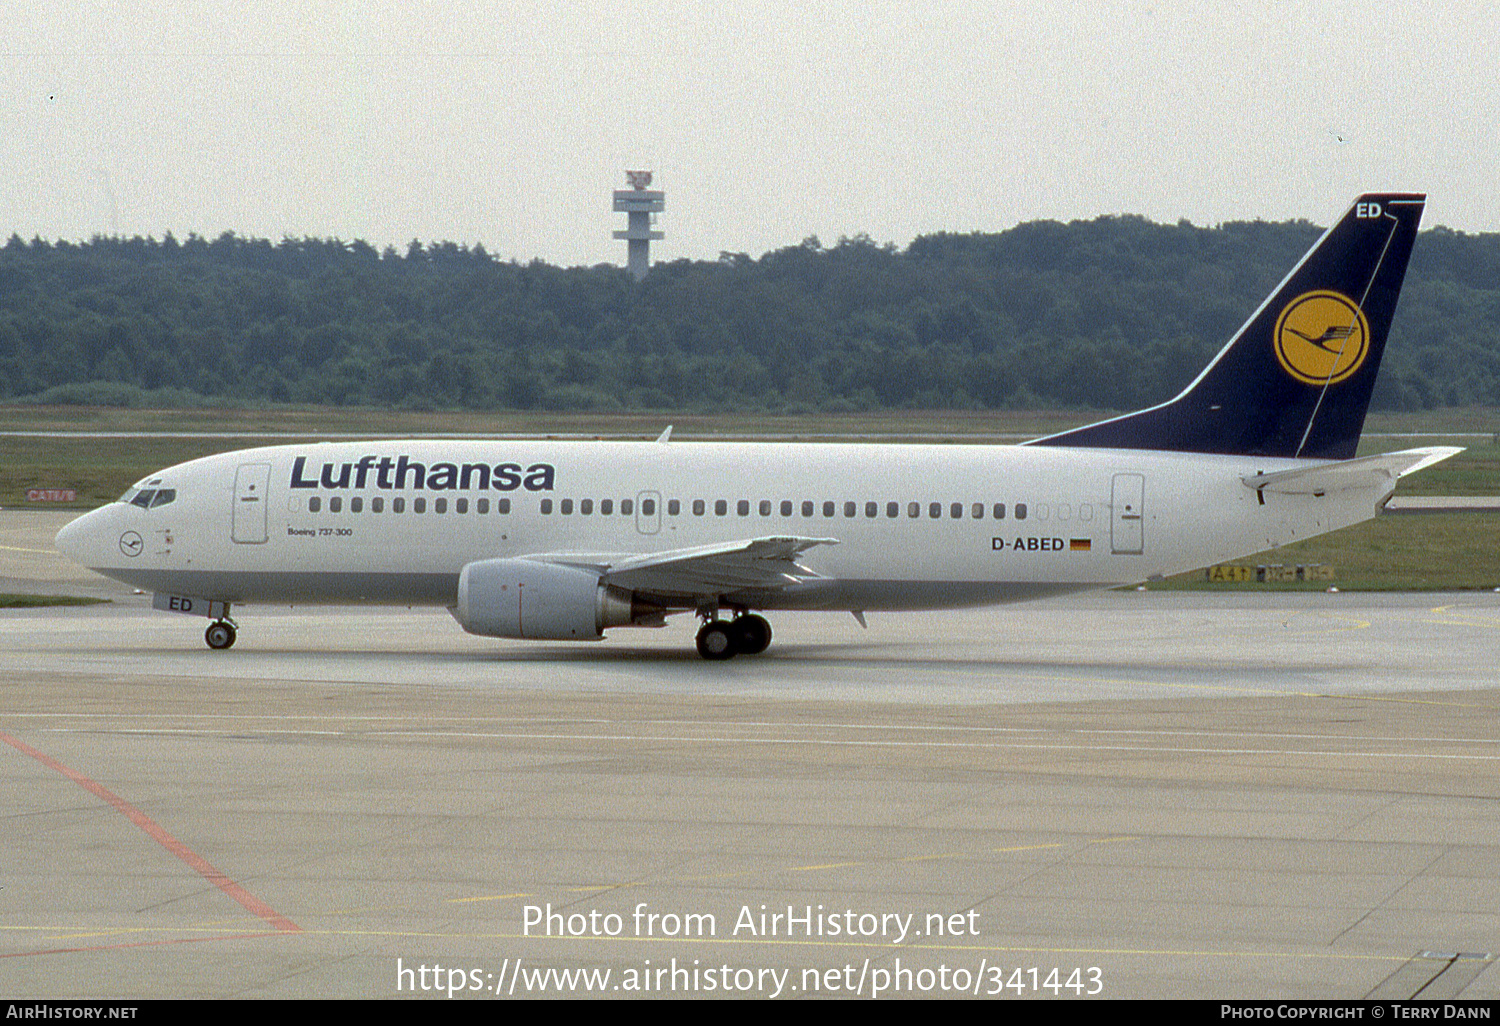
[[78, 540]]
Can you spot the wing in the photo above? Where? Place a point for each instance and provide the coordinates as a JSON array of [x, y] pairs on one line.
[[753, 565]]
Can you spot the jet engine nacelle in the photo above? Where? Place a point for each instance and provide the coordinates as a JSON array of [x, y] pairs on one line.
[[523, 598]]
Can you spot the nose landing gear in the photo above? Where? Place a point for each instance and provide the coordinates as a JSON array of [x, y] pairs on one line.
[[220, 634]]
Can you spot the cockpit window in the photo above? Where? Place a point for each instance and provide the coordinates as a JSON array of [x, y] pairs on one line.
[[150, 498]]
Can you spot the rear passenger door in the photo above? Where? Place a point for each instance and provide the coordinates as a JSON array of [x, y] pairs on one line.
[[1127, 521]]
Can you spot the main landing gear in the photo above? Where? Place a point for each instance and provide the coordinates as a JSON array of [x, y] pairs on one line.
[[220, 634], [746, 634]]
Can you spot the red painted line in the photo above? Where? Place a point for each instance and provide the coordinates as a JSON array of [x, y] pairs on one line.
[[158, 834]]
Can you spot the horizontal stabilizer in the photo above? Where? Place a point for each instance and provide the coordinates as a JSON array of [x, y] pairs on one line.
[[1366, 472]]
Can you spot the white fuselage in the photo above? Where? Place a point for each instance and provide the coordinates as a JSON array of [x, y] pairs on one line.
[[916, 526]]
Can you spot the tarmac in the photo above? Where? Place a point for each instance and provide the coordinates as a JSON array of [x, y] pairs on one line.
[[1128, 794]]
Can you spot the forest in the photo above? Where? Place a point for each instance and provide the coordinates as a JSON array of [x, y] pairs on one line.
[[1111, 313]]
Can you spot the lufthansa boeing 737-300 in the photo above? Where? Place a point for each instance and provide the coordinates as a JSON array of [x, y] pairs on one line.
[[567, 539]]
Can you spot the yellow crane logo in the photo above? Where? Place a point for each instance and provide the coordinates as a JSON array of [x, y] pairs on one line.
[[1322, 337]]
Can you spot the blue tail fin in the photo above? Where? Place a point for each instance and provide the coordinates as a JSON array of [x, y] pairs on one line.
[[1295, 381]]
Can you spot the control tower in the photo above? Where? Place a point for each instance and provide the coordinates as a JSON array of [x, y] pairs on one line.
[[640, 203]]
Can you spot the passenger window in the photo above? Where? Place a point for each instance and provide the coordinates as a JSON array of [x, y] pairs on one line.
[[935, 511], [872, 509], [978, 511], [742, 507], [807, 507], [648, 507], [546, 506], [502, 506], [999, 511], [721, 507], [440, 505], [673, 508], [914, 509], [356, 505], [829, 508], [627, 506], [1041, 511], [586, 506], [335, 504], [786, 507], [956, 511], [699, 508], [482, 507], [1020, 511], [893, 509], [313, 505], [377, 505], [419, 505], [398, 505], [566, 507], [606, 507], [460, 506], [1085, 512]]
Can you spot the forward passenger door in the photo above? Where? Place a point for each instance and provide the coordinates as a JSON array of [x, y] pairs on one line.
[[251, 483]]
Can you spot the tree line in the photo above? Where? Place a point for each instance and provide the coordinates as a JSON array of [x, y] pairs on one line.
[[1109, 313]]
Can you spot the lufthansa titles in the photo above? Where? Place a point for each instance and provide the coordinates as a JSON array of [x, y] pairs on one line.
[[402, 472]]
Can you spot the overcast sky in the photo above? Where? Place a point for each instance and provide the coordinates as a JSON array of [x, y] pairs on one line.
[[508, 122]]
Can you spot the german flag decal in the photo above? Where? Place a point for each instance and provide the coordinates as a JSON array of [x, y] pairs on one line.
[[1078, 544]]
